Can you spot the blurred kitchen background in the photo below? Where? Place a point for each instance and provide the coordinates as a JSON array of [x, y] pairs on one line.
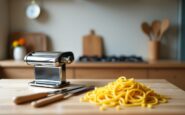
[[117, 22]]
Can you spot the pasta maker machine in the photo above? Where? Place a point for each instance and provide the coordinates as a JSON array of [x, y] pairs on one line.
[[49, 68]]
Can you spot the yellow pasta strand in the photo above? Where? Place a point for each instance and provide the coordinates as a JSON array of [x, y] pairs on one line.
[[123, 92]]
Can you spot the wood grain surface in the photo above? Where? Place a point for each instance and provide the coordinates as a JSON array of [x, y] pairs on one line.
[[92, 45], [156, 64], [72, 106], [173, 71]]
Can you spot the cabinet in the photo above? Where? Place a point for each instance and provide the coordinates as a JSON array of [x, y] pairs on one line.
[[109, 73], [173, 75], [173, 71], [19, 72], [24, 73]]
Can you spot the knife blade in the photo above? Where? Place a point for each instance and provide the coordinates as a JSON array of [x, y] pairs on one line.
[[32, 97], [58, 97]]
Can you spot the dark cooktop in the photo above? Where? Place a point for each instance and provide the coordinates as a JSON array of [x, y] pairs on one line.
[[132, 58]]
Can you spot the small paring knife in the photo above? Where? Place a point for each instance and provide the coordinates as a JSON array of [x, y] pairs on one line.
[[32, 97], [58, 97]]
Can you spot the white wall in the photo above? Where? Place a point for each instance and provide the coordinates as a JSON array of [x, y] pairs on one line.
[[3, 27], [118, 21]]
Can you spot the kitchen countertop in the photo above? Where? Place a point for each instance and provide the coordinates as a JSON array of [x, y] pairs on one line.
[[72, 106], [156, 64]]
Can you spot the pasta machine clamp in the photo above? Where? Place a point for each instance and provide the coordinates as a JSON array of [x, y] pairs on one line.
[[49, 68]]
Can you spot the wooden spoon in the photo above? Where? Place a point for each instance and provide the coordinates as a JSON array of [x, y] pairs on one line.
[[164, 26], [146, 29], [156, 25]]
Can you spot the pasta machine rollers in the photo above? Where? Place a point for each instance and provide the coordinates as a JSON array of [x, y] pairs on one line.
[[49, 68]]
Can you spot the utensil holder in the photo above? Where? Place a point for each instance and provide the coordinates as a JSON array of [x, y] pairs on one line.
[[154, 50]]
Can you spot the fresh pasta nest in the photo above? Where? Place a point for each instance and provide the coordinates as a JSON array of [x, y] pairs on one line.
[[123, 93]]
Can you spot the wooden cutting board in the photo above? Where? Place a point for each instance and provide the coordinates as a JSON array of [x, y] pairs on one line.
[[92, 45], [72, 106]]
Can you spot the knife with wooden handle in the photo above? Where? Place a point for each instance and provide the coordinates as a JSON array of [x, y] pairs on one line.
[[32, 97], [58, 97], [48, 100], [27, 98]]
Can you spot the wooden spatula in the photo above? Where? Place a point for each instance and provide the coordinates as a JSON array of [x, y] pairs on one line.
[[164, 26], [156, 26], [146, 29]]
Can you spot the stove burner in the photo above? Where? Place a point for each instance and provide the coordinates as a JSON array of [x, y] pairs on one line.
[[122, 58]]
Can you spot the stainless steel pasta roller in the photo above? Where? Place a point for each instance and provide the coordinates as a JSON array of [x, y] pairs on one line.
[[49, 68]]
